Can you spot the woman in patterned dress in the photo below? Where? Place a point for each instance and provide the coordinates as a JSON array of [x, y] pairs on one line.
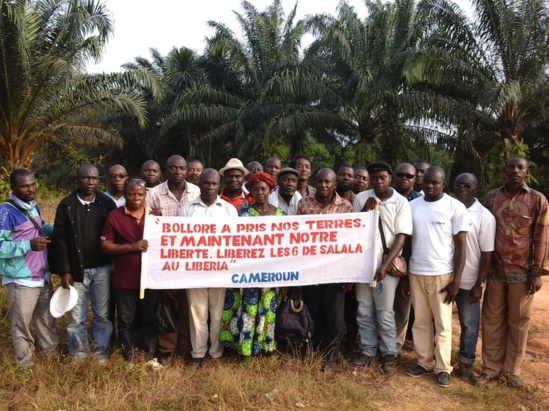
[[249, 314]]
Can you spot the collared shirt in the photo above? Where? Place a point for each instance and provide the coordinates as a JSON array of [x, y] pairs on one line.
[[238, 201], [161, 199], [351, 195], [118, 201], [219, 209], [121, 227], [480, 239], [522, 229], [276, 200], [309, 205]]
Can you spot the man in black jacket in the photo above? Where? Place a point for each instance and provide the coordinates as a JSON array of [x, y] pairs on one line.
[[76, 256]]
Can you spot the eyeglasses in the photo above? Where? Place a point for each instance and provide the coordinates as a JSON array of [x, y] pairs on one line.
[[137, 181], [458, 186], [405, 175]]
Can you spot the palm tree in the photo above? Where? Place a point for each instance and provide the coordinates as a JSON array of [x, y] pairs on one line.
[[495, 65], [44, 45], [234, 103]]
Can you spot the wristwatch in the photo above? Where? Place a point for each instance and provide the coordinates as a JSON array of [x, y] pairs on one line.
[[480, 284]]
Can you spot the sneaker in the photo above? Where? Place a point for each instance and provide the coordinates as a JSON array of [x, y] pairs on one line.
[[513, 381], [417, 371], [465, 371], [390, 365], [363, 361], [443, 379], [483, 379], [154, 364]]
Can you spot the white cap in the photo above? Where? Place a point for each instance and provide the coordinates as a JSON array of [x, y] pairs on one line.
[[63, 300]]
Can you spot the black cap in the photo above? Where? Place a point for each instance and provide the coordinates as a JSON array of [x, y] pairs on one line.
[[380, 166]]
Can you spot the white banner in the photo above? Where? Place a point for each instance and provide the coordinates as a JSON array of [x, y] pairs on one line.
[[259, 251]]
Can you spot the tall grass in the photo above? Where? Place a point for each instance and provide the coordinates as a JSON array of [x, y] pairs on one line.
[[58, 384]]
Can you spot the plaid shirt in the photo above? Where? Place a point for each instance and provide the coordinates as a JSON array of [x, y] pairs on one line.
[[522, 230], [309, 205], [161, 199]]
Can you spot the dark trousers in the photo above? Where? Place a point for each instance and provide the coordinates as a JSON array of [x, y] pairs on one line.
[[326, 303], [129, 306]]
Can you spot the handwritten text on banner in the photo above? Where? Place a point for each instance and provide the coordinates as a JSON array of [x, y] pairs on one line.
[[259, 251]]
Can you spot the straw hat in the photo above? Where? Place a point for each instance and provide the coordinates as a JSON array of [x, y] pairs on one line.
[[234, 163]]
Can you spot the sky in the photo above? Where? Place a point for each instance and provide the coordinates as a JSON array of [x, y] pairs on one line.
[[164, 24]]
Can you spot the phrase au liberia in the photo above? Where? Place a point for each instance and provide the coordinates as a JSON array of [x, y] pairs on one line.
[[259, 251]]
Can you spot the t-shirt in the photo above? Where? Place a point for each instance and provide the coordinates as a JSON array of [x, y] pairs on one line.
[[435, 224], [480, 238], [395, 215]]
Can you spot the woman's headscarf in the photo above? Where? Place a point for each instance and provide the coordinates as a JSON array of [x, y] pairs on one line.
[[261, 176]]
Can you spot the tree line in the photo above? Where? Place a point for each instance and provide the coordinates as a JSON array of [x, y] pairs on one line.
[[413, 79]]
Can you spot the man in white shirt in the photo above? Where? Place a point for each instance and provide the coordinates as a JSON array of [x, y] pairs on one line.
[[436, 265], [204, 301], [285, 196], [375, 314], [480, 247]]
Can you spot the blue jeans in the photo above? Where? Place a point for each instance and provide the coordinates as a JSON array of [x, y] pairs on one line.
[[376, 317], [469, 319], [95, 287]]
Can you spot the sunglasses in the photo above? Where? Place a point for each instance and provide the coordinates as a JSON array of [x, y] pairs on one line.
[[405, 175], [458, 186], [137, 181]]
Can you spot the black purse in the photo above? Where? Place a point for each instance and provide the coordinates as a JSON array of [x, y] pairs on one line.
[[294, 324], [166, 315]]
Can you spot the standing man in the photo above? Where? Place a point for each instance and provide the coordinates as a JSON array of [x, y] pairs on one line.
[[233, 175], [285, 195], [167, 198], [207, 301], [305, 167], [405, 178], [436, 265], [522, 229], [375, 315], [362, 179], [480, 248], [76, 256], [421, 166], [150, 173], [326, 301], [24, 268], [117, 177], [345, 178], [194, 169], [254, 167], [273, 166], [122, 238]]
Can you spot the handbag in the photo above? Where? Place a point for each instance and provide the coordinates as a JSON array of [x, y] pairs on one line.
[[166, 315], [398, 266], [294, 324]]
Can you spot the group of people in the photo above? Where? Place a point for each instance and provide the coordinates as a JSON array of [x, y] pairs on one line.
[[454, 248]]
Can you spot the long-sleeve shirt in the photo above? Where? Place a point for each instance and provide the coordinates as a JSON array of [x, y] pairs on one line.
[[522, 231]]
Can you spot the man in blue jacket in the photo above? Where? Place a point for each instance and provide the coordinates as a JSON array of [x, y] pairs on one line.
[[24, 268]]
